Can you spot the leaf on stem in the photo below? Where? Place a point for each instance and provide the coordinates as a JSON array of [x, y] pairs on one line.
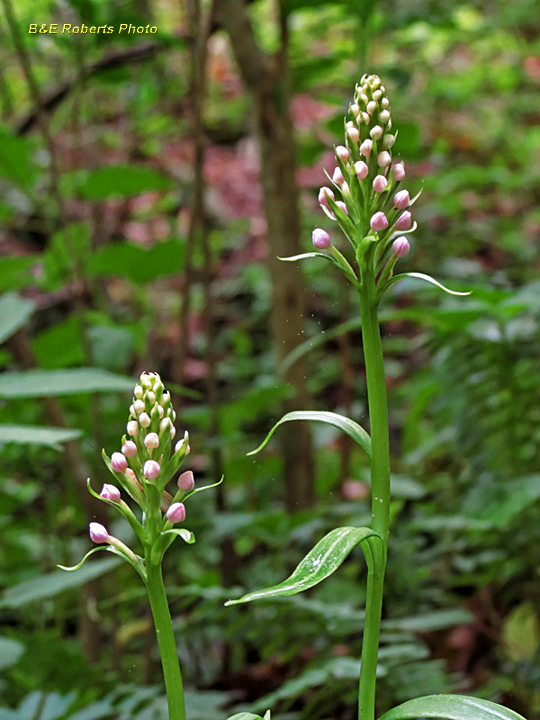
[[249, 716], [427, 278], [327, 555], [186, 535], [353, 429], [450, 707]]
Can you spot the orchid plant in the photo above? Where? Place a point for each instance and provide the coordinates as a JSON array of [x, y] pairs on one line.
[[373, 212]]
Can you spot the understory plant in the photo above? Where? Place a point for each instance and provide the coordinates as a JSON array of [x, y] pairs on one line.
[[366, 200]]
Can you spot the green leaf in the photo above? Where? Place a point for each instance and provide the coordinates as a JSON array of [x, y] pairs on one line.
[[327, 555], [427, 278], [353, 430], [15, 272], [186, 535], [14, 313], [10, 651], [15, 160], [122, 181], [138, 264], [50, 383], [450, 707], [50, 585], [34, 435], [67, 256]]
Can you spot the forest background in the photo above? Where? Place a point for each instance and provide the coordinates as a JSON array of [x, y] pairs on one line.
[[148, 183]]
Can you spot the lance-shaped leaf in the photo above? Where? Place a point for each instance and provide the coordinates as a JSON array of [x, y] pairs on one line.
[[450, 707], [341, 264], [327, 555], [427, 278], [353, 430]]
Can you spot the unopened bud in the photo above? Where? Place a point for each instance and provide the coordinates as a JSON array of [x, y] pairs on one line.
[[129, 449], [371, 107], [132, 411], [321, 239], [402, 200], [138, 392], [341, 205], [404, 221], [385, 102], [151, 441], [365, 148], [337, 177], [384, 159], [173, 432], [378, 222], [165, 424], [110, 492], [342, 153], [139, 406], [180, 444], [355, 109], [388, 141], [398, 171], [354, 134], [151, 469], [186, 481], [361, 169], [176, 513], [401, 247], [132, 428], [118, 462], [151, 397], [384, 117], [379, 183], [144, 420], [377, 95], [324, 194], [376, 132], [98, 532]]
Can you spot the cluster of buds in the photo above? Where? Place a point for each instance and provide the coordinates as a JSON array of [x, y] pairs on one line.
[[365, 198]]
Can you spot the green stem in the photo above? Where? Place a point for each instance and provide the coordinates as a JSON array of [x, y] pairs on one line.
[[380, 488], [166, 641]]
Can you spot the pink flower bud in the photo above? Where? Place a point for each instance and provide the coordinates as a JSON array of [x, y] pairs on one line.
[[98, 532], [353, 134], [151, 469], [186, 481], [376, 132], [365, 117], [404, 221], [132, 428], [384, 117], [402, 200], [144, 420], [151, 441], [342, 206], [118, 462], [176, 513], [180, 444], [337, 177], [161, 411], [385, 102], [361, 169], [110, 492], [379, 183], [377, 95], [325, 193], [401, 247], [365, 148], [379, 222], [364, 98], [399, 171], [151, 397], [321, 240], [388, 141], [173, 432], [342, 153], [371, 107], [138, 406], [384, 159], [138, 392], [355, 109], [129, 449], [132, 411]]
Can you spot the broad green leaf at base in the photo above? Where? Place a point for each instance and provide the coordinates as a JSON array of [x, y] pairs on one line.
[[450, 707]]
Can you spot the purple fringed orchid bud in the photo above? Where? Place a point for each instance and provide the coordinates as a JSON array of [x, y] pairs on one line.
[[176, 513], [337, 177], [325, 193], [98, 532], [384, 159], [384, 117], [186, 481], [138, 392], [379, 183], [151, 441], [118, 462], [398, 171], [151, 469], [388, 142], [110, 492], [144, 420], [378, 222], [404, 221], [180, 444], [401, 247], [353, 134], [341, 205], [376, 132], [342, 153], [365, 148], [402, 200], [371, 107], [361, 169], [132, 428], [129, 449], [138, 406], [321, 240]]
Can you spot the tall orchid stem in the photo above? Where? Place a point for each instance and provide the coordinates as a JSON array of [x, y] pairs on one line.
[[166, 641], [380, 488]]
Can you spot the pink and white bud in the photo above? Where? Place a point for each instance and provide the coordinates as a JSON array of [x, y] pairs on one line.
[[365, 148], [129, 449], [342, 153], [151, 397], [151, 441], [384, 159], [355, 109], [337, 177], [371, 107], [132, 428], [388, 142], [364, 98], [165, 424], [98, 532], [376, 132], [132, 411], [384, 117], [378, 222], [349, 124], [341, 205], [324, 194], [402, 200], [138, 392], [173, 432], [385, 103], [161, 411], [398, 171], [139, 406], [354, 134], [118, 462], [321, 240], [186, 481], [180, 444], [110, 492], [361, 169], [165, 398], [401, 247], [151, 469], [377, 95], [365, 117], [404, 221], [176, 513], [144, 420], [379, 183]]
